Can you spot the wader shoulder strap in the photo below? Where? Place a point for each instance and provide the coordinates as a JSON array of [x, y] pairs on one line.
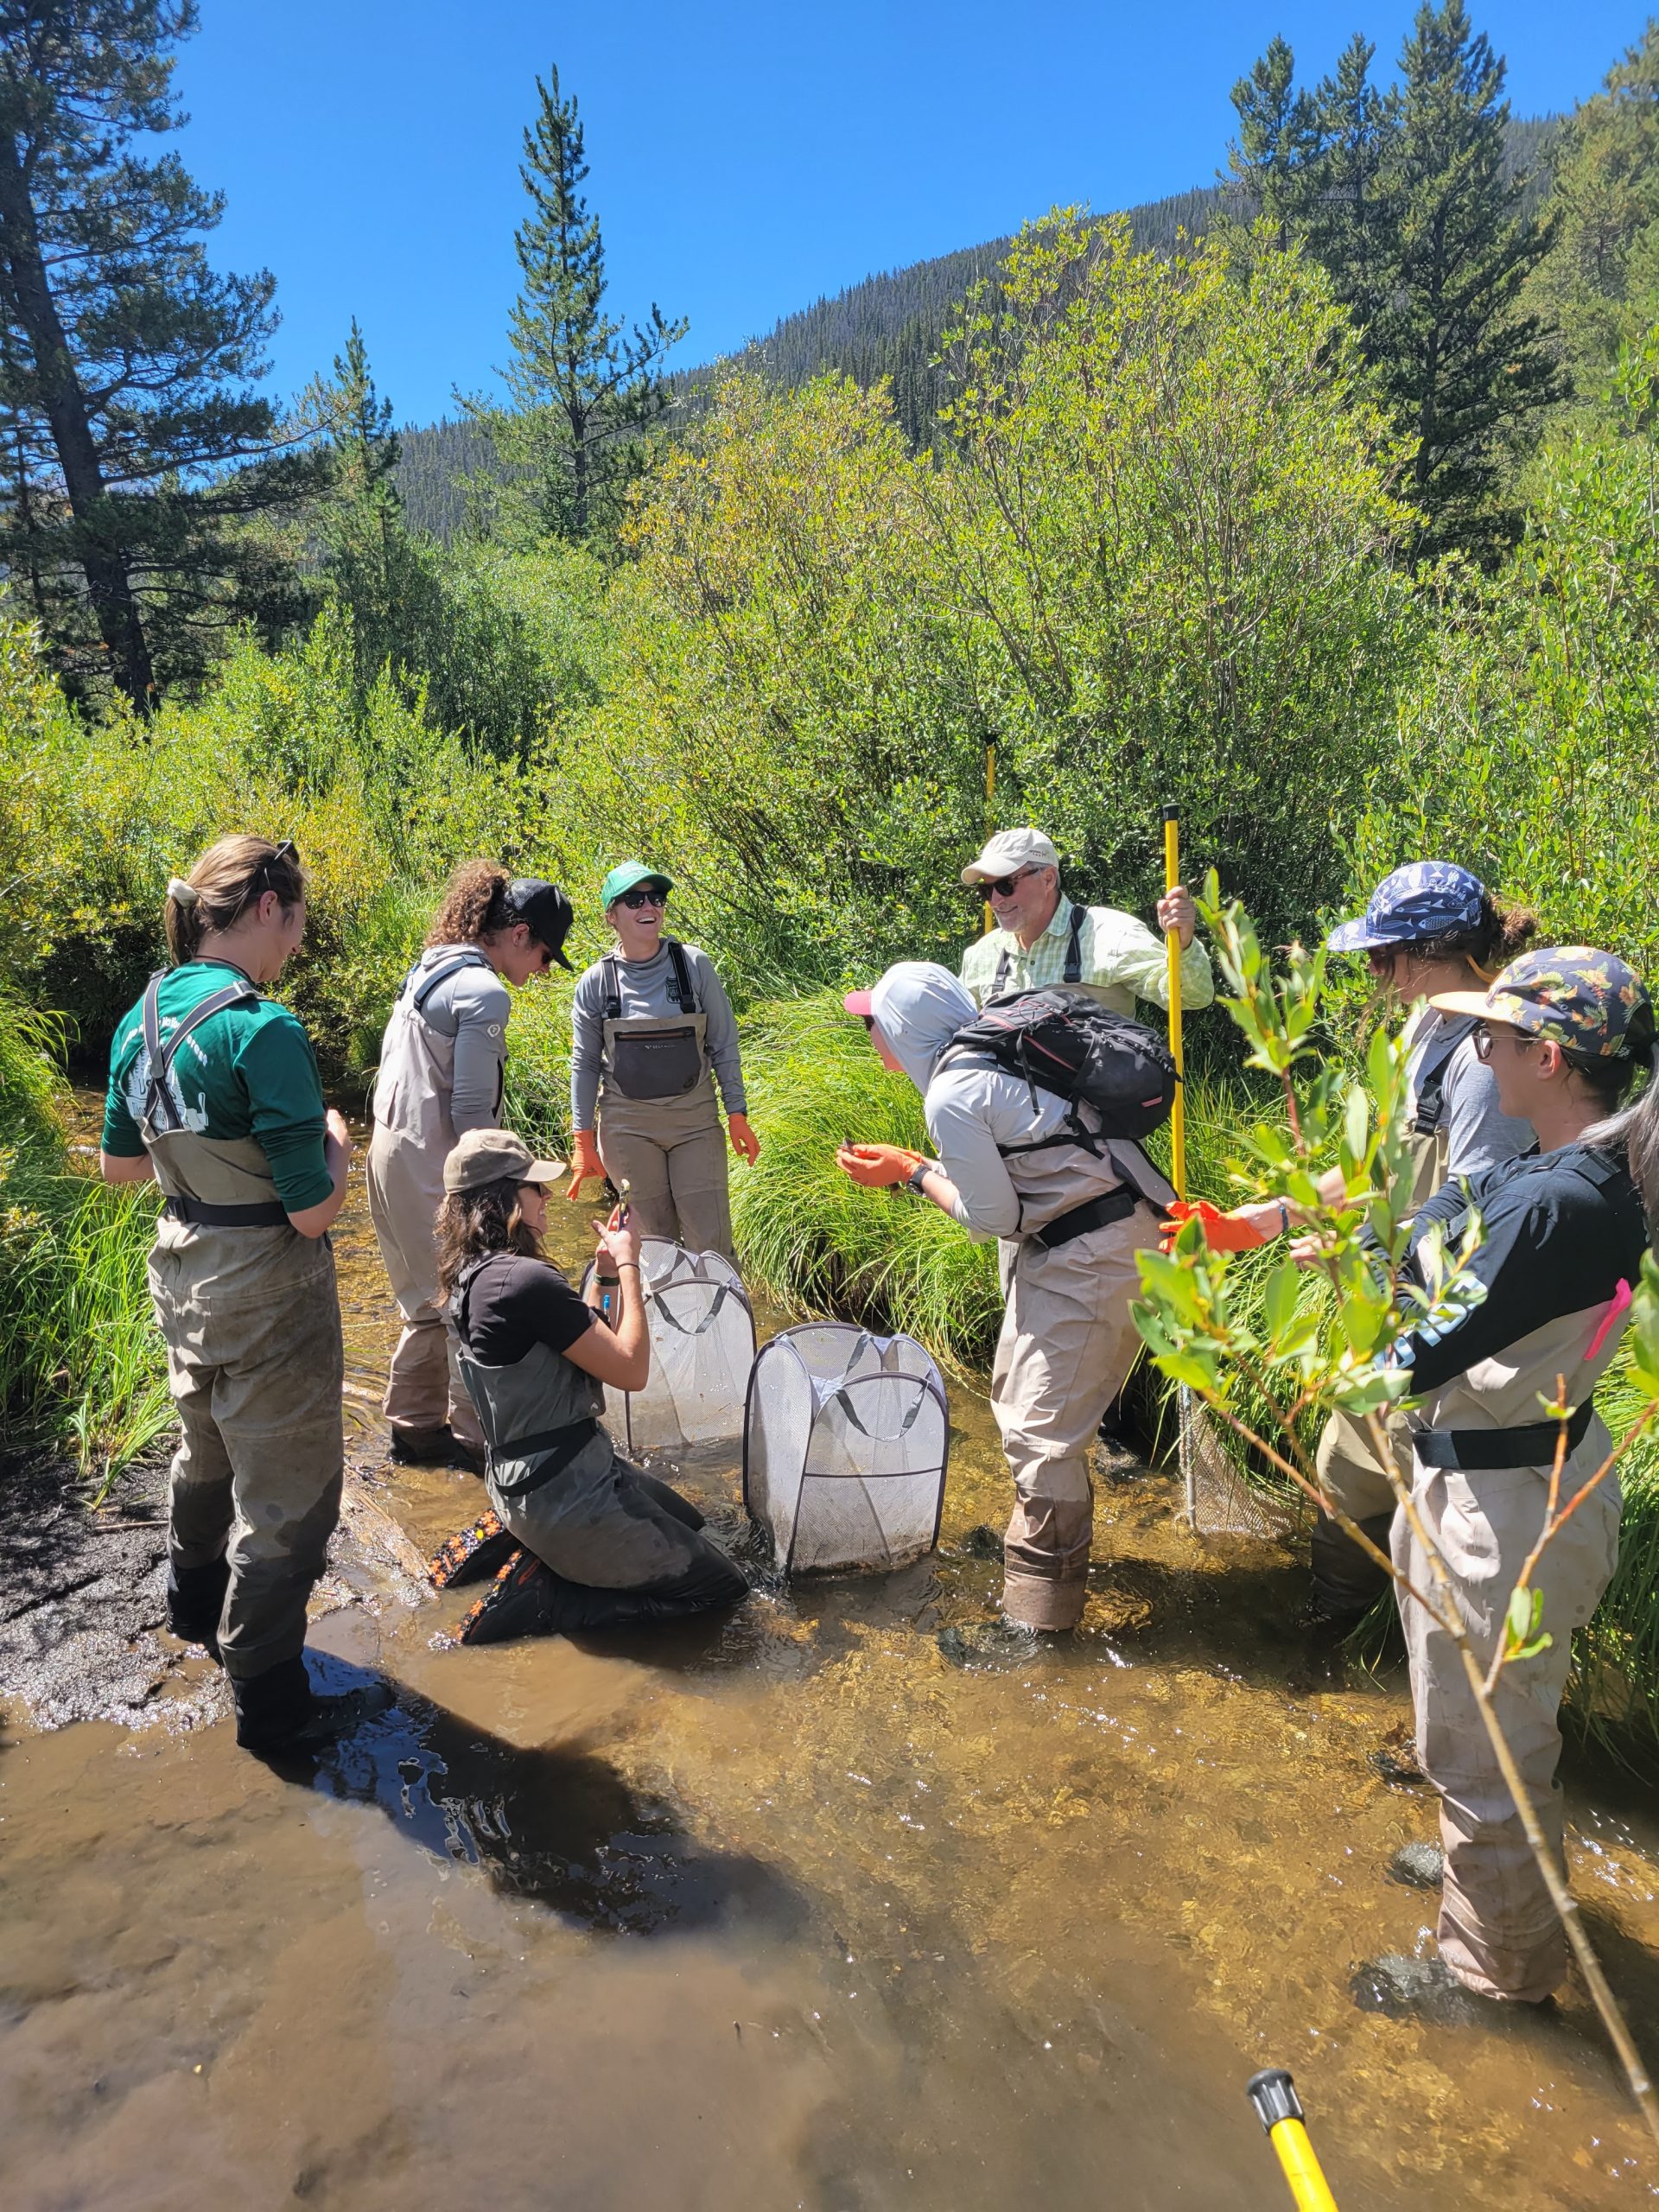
[[441, 974], [1431, 1083], [462, 1292], [1073, 971], [684, 995], [159, 1109]]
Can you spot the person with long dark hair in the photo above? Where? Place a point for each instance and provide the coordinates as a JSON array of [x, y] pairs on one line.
[[215, 1092], [441, 1071], [603, 1542]]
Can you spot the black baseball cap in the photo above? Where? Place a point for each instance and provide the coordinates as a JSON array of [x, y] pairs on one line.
[[544, 907]]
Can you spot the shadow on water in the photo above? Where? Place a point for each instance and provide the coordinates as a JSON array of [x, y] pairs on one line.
[[557, 1825]]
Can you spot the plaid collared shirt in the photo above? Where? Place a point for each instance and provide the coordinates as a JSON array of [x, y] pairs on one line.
[[1121, 960]]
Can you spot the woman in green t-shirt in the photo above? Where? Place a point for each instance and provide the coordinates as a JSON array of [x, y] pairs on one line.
[[215, 1092]]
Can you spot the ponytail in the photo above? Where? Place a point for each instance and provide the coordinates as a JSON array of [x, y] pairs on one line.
[[1499, 934], [229, 878], [474, 905]]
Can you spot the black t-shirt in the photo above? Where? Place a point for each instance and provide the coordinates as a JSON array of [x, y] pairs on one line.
[[512, 1303], [1563, 1229]]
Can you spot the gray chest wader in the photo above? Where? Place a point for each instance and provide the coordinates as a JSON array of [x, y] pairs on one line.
[[1347, 1581], [657, 1124], [255, 1487], [617, 1545], [413, 1135]]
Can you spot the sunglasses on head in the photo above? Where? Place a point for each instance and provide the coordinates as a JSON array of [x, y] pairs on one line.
[[1004, 886], [635, 900]]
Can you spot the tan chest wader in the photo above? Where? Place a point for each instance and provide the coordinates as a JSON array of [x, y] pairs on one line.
[[249, 1315], [657, 1124], [614, 1545], [413, 1136], [1347, 1582]]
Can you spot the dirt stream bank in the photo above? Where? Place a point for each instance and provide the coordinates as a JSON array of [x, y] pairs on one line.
[[786, 1910]]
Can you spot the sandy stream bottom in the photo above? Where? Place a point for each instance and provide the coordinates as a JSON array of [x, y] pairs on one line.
[[786, 1911]]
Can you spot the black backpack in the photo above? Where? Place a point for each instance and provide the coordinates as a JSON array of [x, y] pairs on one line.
[[1079, 1051]]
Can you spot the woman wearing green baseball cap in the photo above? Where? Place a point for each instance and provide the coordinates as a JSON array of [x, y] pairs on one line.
[[652, 1033]]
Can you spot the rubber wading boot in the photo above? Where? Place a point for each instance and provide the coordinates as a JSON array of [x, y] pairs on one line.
[[522, 1600], [195, 1600], [480, 1548], [435, 1447], [279, 1711]]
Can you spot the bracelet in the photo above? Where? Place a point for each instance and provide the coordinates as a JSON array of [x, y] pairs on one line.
[[608, 1282], [1284, 1219], [625, 1264]]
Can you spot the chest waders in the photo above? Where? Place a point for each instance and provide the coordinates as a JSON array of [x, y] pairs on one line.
[[658, 1127], [1071, 973], [1347, 1582], [250, 1314], [413, 1136], [602, 1543]]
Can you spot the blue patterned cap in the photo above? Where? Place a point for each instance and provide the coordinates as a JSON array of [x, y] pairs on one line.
[[1425, 898]]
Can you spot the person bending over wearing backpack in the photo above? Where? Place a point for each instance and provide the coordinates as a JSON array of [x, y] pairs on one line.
[[1044, 941], [1055, 1176]]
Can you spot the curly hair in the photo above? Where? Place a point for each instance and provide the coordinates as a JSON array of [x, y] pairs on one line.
[[1502, 934], [474, 905], [473, 1223], [231, 876]]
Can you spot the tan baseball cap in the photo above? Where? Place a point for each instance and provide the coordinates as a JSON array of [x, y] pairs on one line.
[[1009, 852], [495, 1156]]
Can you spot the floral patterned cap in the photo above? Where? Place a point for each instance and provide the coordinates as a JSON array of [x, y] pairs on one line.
[[1589, 1002], [1425, 898]]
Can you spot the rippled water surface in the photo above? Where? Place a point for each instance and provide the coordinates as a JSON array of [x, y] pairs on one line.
[[785, 1911]]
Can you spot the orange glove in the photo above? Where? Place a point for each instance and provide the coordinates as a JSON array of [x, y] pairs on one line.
[[745, 1143], [586, 1165], [876, 1166], [1222, 1232]]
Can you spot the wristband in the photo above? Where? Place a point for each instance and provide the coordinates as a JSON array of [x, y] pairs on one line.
[[1284, 1219], [918, 1174], [624, 1264], [608, 1282]]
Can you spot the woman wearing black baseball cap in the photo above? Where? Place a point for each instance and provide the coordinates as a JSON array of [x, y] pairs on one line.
[[441, 1074]]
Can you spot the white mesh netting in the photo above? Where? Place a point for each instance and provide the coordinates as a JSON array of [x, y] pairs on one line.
[[845, 1445], [702, 1349]]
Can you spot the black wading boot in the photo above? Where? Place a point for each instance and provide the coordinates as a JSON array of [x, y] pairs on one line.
[[279, 1711], [195, 1600]]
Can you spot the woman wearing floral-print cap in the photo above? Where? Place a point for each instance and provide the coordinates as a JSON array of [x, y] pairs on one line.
[[1566, 1032]]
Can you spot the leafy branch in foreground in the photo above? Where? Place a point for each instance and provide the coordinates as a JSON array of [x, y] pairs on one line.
[[1204, 1330]]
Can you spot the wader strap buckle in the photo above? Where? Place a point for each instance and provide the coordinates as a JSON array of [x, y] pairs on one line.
[[1476, 1449], [684, 995], [159, 1108]]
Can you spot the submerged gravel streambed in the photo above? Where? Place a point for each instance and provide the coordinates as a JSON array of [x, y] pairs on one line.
[[789, 1910]]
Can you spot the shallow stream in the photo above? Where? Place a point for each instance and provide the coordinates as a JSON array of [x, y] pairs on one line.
[[790, 1911]]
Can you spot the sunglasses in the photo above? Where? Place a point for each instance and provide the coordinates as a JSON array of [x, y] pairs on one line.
[[1483, 1041], [634, 900], [1004, 886], [259, 882]]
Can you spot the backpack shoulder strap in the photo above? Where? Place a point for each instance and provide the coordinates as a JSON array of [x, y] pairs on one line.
[[682, 990], [158, 1099], [613, 989], [1431, 1083], [441, 974], [1073, 971]]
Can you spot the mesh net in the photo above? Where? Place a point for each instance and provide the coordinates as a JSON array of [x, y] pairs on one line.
[[845, 1447], [1220, 1500], [702, 1349]]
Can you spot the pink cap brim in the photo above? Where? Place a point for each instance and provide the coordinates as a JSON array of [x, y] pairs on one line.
[[858, 1002]]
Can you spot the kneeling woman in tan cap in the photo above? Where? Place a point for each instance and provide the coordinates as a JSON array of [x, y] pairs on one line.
[[604, 1544]]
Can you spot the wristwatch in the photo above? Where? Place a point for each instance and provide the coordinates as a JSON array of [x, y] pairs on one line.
[[914, 1178]]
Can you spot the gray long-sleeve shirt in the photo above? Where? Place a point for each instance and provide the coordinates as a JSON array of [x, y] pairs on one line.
[[646, 987]]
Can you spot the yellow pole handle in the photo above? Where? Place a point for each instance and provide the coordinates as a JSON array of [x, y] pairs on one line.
[[1307, 2184], [990, 814], [1173, 949]]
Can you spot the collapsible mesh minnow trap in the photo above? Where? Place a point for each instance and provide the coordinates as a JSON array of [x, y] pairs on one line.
[[845, 1444], [702, 1349]]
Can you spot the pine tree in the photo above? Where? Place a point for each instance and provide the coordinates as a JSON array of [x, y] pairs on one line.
[[366, 551], [126, 361], [1404, 198], [585, 389]]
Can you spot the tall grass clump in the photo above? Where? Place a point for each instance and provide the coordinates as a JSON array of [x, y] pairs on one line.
[[81, 1361]]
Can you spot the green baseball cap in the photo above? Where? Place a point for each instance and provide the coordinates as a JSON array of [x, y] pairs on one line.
[[627, 877]]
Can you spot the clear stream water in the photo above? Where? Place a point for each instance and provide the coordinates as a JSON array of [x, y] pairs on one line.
[[787, 1912]]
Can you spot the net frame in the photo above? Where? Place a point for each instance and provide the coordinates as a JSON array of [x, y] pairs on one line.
[[660, 1274], [825, 1391]]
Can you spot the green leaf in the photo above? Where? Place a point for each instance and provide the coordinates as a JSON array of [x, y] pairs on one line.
[[1279, 1301]]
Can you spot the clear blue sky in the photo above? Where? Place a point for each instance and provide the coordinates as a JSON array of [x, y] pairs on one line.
[[745, 158]]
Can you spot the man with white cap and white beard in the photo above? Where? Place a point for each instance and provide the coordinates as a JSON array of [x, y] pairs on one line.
[[1044, 941]]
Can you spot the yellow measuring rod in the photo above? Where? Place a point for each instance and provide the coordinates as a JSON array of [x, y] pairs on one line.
[[1280, 2111], [1172, 945]]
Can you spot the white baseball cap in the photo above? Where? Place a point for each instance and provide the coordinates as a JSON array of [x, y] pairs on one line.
[[1009, 852]]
